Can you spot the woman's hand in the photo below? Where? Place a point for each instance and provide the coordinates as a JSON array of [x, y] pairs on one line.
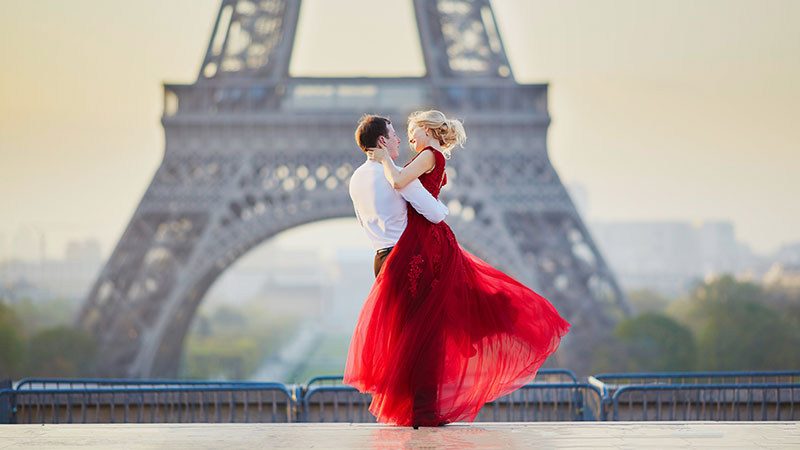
[[378, 154]]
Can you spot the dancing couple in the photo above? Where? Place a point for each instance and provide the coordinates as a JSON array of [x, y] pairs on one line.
[[441, 332]]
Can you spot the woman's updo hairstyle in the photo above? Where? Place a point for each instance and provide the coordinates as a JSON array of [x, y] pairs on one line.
[[449, 132]]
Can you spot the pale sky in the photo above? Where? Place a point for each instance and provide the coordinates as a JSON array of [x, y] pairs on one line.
[[663, 110]]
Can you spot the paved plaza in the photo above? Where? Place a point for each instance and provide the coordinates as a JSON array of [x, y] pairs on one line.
[[544, 435]]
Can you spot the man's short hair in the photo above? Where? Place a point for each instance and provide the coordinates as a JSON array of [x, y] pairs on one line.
[[370, 127]]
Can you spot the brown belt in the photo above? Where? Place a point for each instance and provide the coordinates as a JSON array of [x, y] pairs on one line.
[[380, 257]]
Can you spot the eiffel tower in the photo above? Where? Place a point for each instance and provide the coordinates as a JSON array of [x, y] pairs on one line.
[[251, 151]]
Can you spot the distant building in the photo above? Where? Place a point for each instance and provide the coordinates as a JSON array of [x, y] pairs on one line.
[[21, 289], [83, 252], [69, 278], [788, 253], [719, 251], [668, 257], [783, 274]]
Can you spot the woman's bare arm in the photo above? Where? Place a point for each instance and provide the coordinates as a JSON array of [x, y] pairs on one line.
[[400, 178]]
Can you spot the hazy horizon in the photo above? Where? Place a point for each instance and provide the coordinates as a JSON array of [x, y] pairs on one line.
[[678, 111]]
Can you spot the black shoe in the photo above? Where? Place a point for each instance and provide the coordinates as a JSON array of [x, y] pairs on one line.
[[416, 427]]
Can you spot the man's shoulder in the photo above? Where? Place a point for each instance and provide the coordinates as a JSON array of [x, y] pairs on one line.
[[363, 168], [361, 178], [371, 177], [360, 172]]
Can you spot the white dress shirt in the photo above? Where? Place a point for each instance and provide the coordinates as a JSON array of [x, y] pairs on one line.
[[381, 210]]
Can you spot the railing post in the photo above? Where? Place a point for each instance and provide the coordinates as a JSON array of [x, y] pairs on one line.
[[6, 401], [298, 395]]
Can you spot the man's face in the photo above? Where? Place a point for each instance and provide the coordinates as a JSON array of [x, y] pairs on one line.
[[392, 143]]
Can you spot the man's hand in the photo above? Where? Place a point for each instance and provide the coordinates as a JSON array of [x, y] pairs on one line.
[[378, 154]]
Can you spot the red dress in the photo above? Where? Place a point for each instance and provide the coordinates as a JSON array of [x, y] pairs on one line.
[[442, 332]]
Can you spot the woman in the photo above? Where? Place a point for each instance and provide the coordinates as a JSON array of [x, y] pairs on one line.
[[442, 332]]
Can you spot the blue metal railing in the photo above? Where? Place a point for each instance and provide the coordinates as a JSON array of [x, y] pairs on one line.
[[774, 401], [335, 404], [775, 376], [610, 383], [547, 375], [265, 402], [326, 399], [555, 394], [531, 403], [543, 375], [546, 402], [324, 380], [83, 383]]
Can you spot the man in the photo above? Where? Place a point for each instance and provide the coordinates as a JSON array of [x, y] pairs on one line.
[[382, 210]]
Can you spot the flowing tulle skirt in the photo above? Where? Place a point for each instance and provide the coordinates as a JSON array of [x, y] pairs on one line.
[[442, 332]]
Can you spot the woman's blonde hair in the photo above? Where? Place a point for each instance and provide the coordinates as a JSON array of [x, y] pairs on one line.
[[449, 132]]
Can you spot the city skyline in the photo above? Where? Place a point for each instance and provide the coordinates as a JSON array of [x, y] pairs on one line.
[[29, 244], [699, 130], [687, 252]]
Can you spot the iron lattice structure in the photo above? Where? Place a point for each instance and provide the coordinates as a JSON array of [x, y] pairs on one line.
[[251, 152]]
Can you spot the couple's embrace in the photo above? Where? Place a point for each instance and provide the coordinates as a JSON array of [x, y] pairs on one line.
[[441, 332]]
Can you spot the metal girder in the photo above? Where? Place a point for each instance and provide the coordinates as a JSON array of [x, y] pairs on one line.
[[251, 152]]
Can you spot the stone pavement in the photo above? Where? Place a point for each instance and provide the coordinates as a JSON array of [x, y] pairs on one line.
[[544, 435]]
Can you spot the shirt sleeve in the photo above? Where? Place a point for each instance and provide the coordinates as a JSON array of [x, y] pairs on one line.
[[422, 200], [355, 207]]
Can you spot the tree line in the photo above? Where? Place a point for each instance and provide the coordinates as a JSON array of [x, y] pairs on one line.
[[721, 325]]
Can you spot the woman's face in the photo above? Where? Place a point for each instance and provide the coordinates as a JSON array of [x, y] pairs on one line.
[[417, 137]]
